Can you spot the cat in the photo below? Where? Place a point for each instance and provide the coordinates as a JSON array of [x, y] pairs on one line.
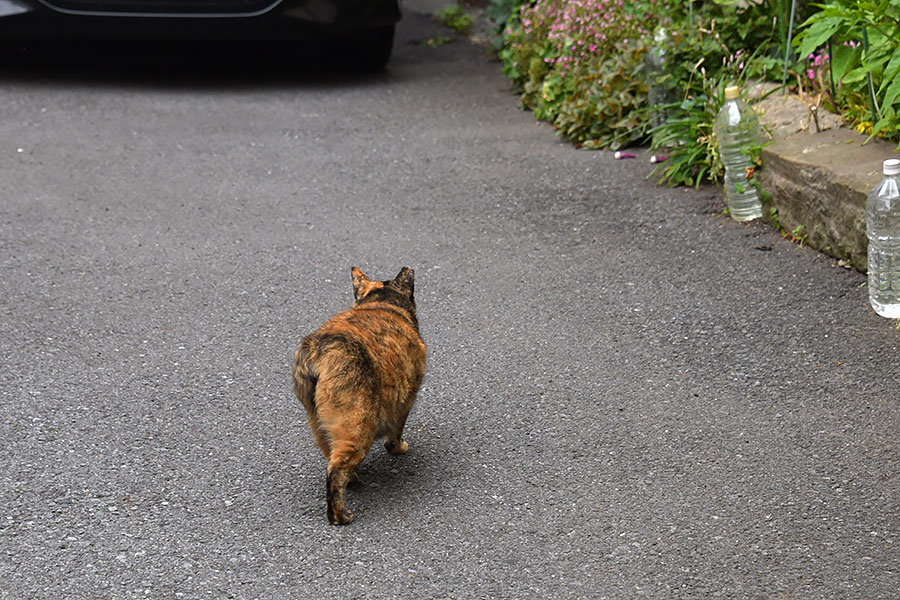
[[358, 376]]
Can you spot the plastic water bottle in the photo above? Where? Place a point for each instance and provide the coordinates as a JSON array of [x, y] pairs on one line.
[[883, 230], [737, 130], [657, 95]]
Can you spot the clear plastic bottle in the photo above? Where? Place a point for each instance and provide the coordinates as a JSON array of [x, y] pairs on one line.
[[654, 64], [737, 130], [883, 230]]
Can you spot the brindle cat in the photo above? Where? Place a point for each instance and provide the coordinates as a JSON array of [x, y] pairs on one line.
[[358, 376]]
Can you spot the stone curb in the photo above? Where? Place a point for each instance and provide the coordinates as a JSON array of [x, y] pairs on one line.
[[819, 184], [819, 180]]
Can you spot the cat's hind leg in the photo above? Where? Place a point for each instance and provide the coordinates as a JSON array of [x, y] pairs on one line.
[[351, 438]]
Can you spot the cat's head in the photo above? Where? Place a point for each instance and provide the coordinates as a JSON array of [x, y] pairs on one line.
[[397, 291]]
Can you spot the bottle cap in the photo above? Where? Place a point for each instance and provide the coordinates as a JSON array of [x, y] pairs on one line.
[[732, 92], [892, 166]]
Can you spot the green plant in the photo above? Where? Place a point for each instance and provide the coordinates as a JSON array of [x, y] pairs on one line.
[[688, 135], [698, 67], [865, 59], [456, 19], [774, 220], [580, 64], [799, 234], [500, 12], [577, 64], [438, 40], [602, 104], [765, 197]]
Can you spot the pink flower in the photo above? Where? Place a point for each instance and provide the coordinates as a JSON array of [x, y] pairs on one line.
[[810, 73]]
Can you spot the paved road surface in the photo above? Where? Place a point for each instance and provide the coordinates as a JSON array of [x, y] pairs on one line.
[[627, 395]]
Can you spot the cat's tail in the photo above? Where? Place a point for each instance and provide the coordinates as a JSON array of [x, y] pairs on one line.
[[306, 376]]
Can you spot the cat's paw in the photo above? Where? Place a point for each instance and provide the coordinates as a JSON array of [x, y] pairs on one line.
[[395, 447], [343, 517]]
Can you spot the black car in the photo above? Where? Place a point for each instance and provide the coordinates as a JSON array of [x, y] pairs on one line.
[[364, 28]]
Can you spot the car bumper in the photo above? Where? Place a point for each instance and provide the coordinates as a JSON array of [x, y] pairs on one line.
[[189, 19]]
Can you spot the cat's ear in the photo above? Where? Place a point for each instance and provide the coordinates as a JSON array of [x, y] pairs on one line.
[[359, 278], [406, 279]]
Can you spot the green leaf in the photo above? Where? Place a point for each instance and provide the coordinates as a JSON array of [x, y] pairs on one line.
[[892, 93], [700, 174], [844, 59], [875, 62], [857, 74], [816, 34], [890, 73]]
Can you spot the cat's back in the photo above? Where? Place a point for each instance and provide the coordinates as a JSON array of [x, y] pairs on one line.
[[386, 334]]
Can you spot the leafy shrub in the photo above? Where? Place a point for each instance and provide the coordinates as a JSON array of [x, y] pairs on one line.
[[687, 135], [698, 66], [865, 61], [603, 103], [578, 63], [499, 12]]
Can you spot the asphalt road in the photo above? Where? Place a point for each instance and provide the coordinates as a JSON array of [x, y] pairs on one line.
[[627, 394]]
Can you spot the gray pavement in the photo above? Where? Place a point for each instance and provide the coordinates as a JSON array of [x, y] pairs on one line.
[[628, 396]]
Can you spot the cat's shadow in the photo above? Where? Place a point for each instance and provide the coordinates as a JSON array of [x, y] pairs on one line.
[[386, 487]]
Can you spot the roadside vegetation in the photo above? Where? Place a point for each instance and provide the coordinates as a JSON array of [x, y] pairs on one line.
[[608, 74], [456, 19]]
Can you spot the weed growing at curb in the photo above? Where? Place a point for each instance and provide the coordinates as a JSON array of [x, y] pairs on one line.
[[456, 19], [438, 40]]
